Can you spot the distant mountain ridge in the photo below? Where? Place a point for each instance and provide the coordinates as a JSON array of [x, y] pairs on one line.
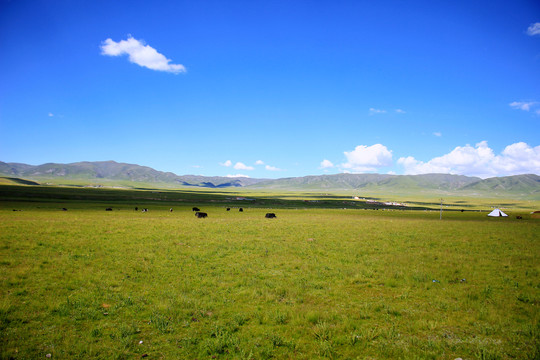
[[111, 172], [522, 185], [360, 181]]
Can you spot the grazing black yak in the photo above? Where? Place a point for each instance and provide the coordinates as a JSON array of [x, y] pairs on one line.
[[196, 209], [270, 215], [201, 215]]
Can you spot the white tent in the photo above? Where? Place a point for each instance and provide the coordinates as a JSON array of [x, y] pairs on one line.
[[497, 212]]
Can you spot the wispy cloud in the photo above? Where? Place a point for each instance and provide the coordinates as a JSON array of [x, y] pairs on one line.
[[272, 168], [437, 133], [226, 163], [523, 105], [140, 54], [259, 162], [534, 29], [51, 114], [237, 176], [373, 111], [367, 158], [480, 160]]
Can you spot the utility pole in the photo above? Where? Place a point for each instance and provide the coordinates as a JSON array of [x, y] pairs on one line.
[[440, 215]]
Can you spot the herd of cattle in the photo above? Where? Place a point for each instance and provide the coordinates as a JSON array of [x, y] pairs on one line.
[[201, 215], [198, 213]]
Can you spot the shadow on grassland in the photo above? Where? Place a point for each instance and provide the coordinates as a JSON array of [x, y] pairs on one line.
[[36, 194], [188, 197]]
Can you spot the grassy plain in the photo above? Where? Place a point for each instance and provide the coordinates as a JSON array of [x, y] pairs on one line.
[[319, 281]]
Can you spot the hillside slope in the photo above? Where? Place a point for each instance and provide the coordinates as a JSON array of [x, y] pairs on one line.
[[527, 183], [371, 181], [93, 172], [112, 173]]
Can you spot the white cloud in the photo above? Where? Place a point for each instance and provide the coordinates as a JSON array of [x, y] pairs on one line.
[[373, 111], [242, 166], [414, 167], [523, 105], [437, 133], [325, 164], [518, 158], [259, 162], [140, 54], [237, 166], [400, 111], [367, 158], [237, 176], [272, 168], [51, 114], [534, 29]]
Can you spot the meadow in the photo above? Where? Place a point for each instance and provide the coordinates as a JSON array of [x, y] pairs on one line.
[[325, 279]]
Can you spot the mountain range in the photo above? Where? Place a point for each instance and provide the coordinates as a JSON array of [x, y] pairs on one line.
[[111, 173]]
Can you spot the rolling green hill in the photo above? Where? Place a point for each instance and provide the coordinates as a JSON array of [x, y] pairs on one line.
[[16, 181], [371, 182], [110, 173], [519, 186], [527, 183]]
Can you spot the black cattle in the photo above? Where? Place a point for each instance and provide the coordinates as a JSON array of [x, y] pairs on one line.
[[108, 209], [196, 209], [64, 209], [228, 209], [201, 215], [240, 209], [136, 208], [170, 209], [270, 215], [519, 217]]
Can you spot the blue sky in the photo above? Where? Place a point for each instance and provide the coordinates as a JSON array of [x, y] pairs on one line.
[[273, 89]]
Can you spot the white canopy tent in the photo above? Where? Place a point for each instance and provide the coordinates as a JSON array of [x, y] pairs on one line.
[[497, 212]]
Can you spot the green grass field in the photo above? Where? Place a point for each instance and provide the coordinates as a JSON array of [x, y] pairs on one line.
[[316, 282]]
